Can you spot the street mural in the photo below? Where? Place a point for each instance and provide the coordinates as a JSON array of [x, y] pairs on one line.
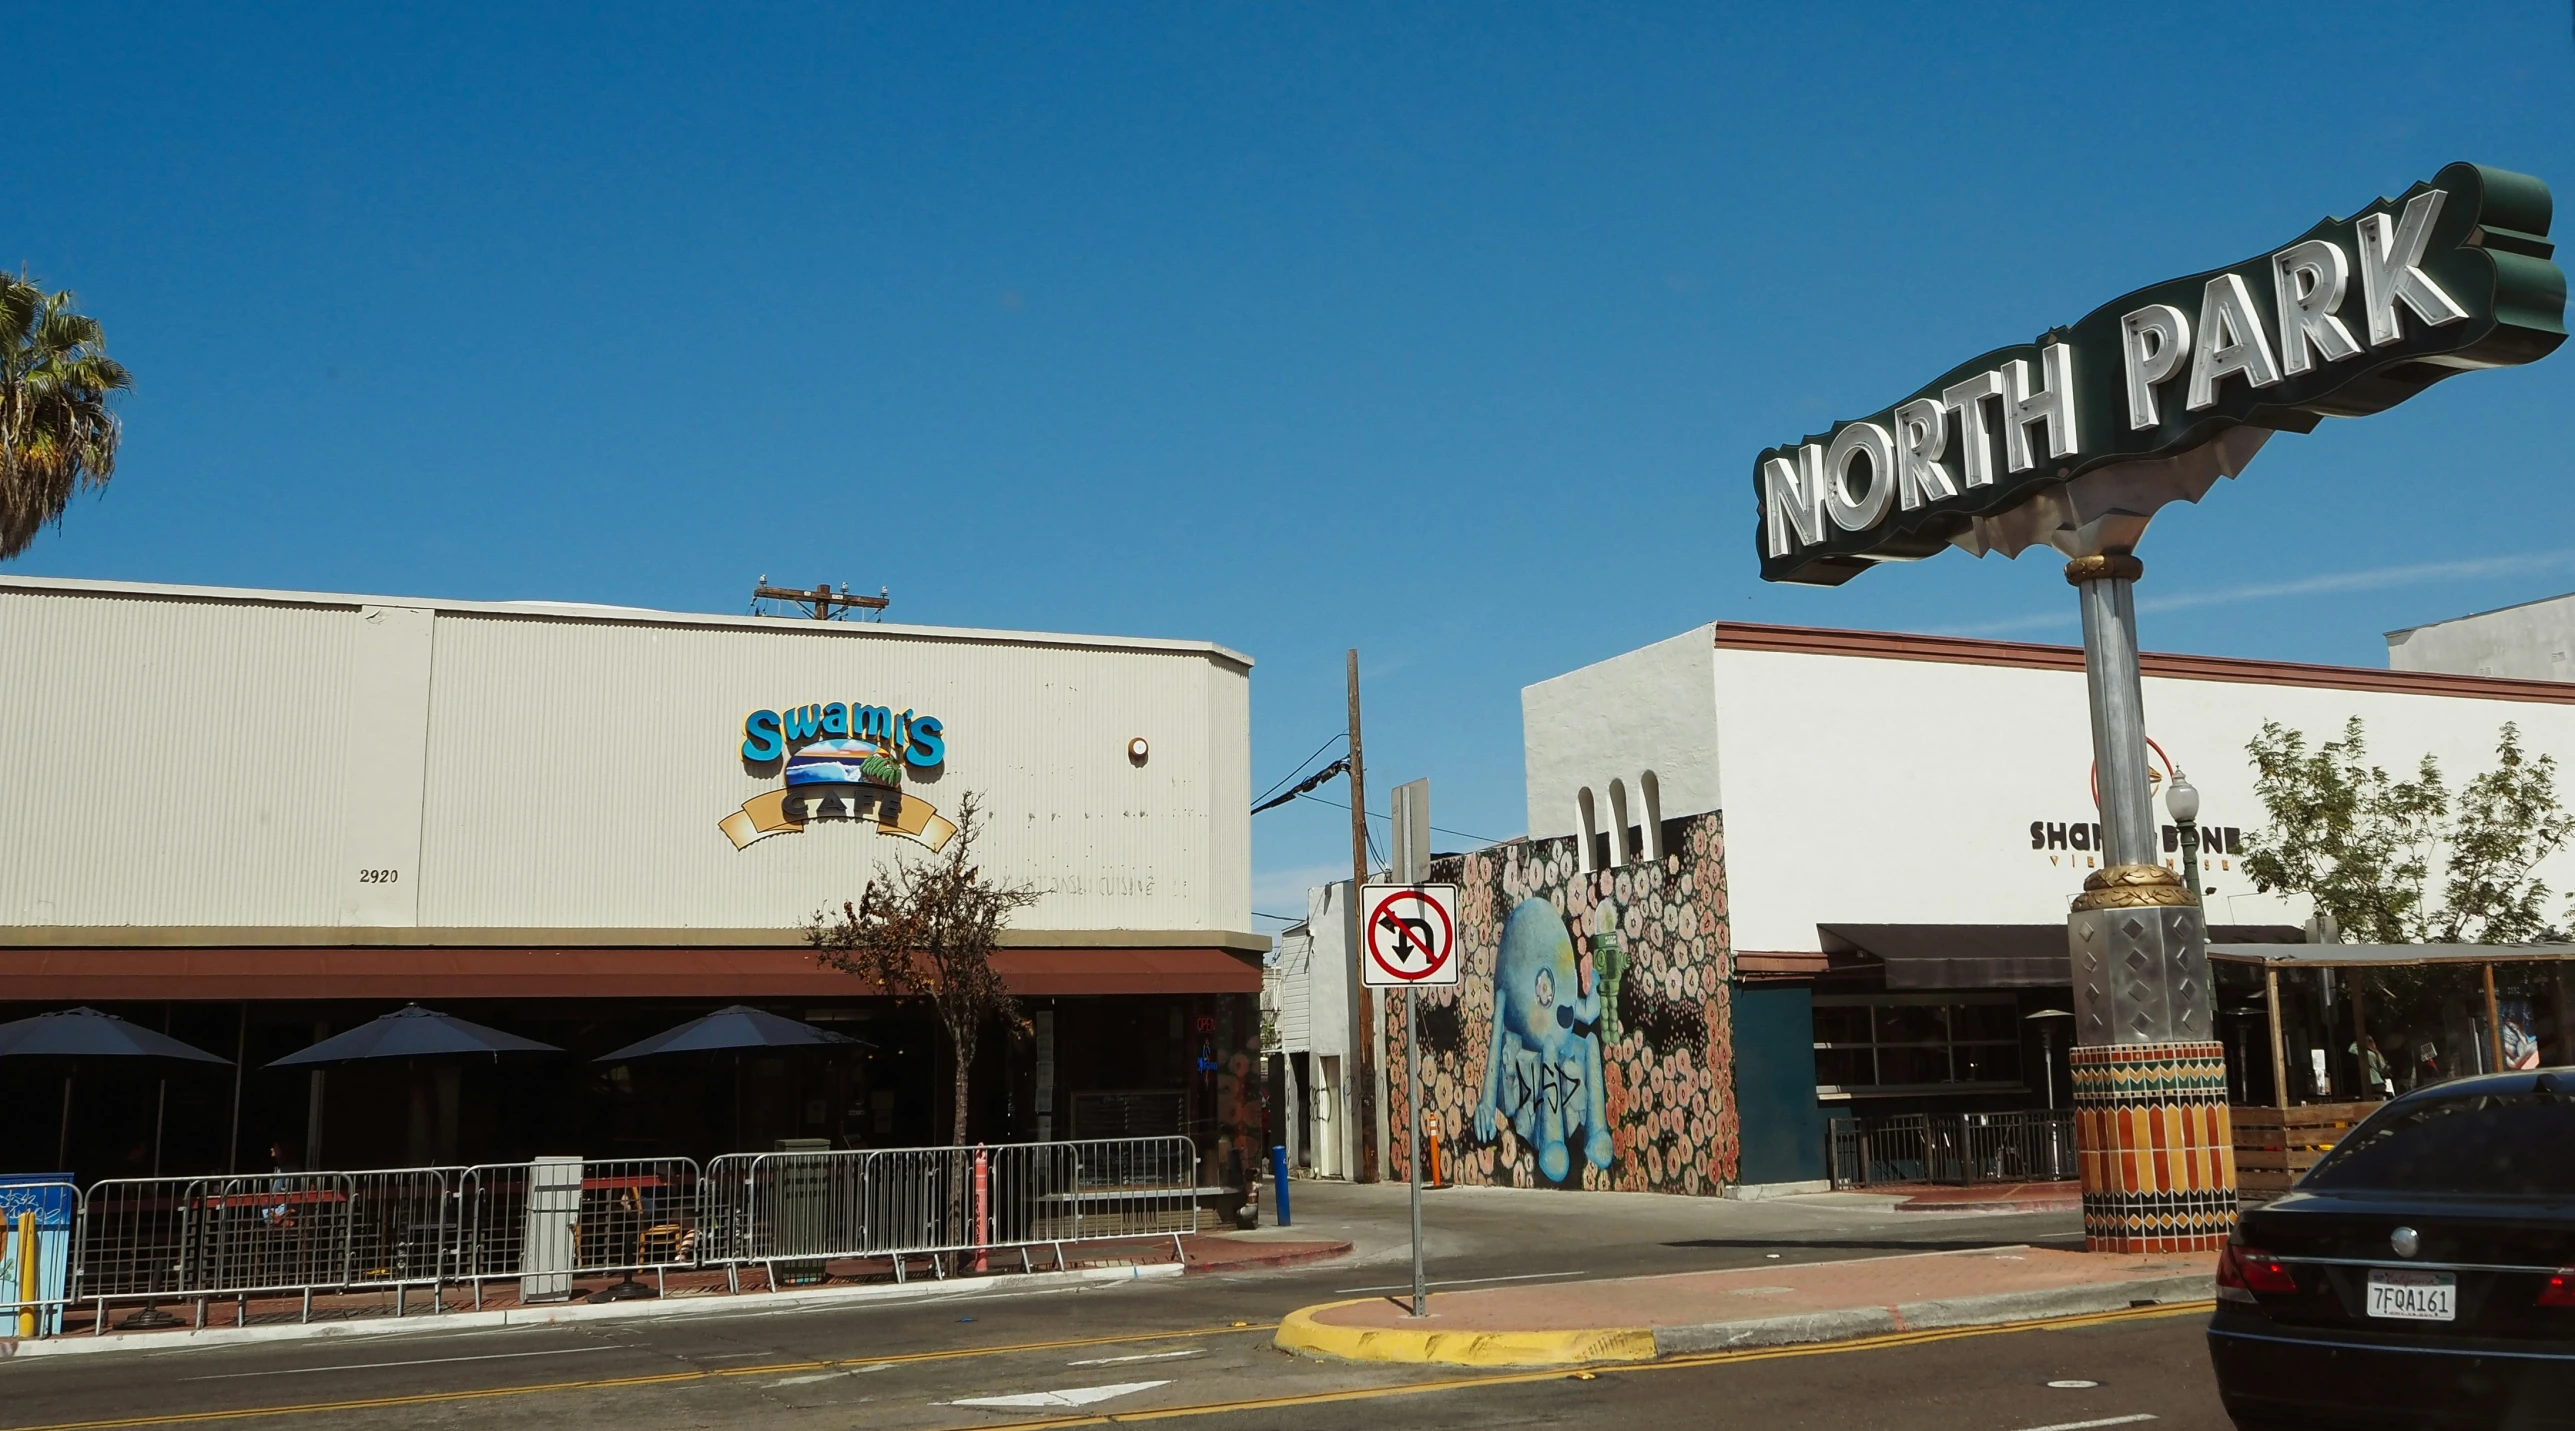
[[1587, 1044]]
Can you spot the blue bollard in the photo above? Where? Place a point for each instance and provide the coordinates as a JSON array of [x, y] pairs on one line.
[[1278, 1176]]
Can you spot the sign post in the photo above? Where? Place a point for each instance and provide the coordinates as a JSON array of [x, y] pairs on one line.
[[2074, 441], [1409, 933]]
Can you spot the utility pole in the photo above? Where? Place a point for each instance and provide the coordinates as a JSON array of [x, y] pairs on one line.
[[1363, 1032]]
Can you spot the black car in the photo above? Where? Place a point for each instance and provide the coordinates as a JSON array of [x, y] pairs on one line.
[[2421, 1275]]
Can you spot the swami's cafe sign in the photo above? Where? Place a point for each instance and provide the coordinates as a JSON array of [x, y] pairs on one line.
[[839, 760], [2353, 317]]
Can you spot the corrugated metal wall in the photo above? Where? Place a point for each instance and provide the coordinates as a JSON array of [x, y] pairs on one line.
[[187, 761]]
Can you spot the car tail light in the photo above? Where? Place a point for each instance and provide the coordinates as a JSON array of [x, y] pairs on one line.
[[2559, 1289], [2243, 1271]]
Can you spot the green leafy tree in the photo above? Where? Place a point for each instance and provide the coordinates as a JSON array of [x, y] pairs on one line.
[[2367, 847], [927, 929], [2507, 821], [56, 432]]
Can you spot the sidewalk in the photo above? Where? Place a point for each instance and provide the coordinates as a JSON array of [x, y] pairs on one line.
[[682, 1292], [1989, 1197], [1639, 1318]]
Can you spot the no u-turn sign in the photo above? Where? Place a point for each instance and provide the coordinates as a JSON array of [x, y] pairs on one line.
[[1409, 935]]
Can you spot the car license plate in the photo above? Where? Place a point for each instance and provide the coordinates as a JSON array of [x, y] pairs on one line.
[[2413, 1296]]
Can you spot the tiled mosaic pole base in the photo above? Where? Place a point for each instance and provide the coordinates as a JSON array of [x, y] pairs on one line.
[[2157, 1151], [2150, 1119]]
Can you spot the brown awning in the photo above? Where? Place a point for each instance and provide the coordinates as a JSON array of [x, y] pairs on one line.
[[123, 975], [1985, 956]]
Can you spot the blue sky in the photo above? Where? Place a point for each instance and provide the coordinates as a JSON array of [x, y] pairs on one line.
[[1444, 332]]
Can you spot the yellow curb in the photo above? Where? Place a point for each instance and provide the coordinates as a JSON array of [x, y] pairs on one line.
[[1304, 1331]]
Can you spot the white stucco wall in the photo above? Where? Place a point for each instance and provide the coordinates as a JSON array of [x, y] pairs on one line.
[[1895, 791], [1866, 789], [2534, 641], [186, 759], [1649, 710]]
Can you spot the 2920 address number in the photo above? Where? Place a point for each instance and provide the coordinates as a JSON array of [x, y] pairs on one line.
[[379, 876]]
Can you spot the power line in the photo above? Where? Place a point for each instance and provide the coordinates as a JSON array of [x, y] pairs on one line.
[[1300, 765], [1281, 918], [1373, 815], [1337, 767]]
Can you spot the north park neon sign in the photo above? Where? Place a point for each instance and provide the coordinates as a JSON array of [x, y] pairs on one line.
[[2356, 316]]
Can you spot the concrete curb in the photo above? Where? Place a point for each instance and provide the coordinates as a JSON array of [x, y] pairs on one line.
[[1275, 1259], [2068, 1204], [551, 1314], [1301, 1331]]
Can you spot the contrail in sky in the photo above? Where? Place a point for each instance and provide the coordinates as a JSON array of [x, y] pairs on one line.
[[2370, 579]]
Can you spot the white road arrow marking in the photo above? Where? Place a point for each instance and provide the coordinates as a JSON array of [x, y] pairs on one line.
[[831, 1375], [1145, 1356], [1070, 1396]]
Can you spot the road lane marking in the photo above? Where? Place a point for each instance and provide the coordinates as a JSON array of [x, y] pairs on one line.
[[423, 1361], [431, 1398], [1140, 1356], [2089, 1425], [1698, 1359], [814, 1376], [1459, 1282], [1557, 1373], [1069, 1396]]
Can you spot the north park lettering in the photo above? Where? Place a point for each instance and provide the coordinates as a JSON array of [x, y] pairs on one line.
[[2357, 315]]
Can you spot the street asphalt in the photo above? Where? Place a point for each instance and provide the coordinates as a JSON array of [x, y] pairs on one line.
[[1199, 1347]]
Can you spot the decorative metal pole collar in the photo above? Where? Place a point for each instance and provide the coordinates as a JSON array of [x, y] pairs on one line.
[[2131, 887], [2112, 565]]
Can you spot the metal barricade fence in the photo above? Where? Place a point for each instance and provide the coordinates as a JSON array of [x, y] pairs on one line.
[[547, 1221], [260, 1235], [773, 1208]]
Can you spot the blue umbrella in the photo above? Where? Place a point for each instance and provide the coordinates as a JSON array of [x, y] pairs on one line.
[[412, 1032], [734, 1029], [88, 1033], [737, 1027]]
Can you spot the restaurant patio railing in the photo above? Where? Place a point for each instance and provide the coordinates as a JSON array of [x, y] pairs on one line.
[[2035, 1145]]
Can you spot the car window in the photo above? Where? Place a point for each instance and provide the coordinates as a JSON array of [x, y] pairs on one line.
[[2513, 1144]]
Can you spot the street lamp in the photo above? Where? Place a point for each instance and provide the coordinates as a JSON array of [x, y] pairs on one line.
[[2047, 1048], [2183, 801], [2059, 1154]]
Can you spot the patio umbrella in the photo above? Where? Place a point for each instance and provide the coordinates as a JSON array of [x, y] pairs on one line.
[[75, 1034], [412, 1032], [731, 1030], [737, 1027], [409, 1033]]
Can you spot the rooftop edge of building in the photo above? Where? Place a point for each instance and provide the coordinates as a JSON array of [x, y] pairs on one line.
[[623, 615]]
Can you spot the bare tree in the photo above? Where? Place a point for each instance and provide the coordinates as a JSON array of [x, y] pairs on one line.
[[927, 930]]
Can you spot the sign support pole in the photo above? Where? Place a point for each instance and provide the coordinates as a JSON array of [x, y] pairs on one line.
[[1413, 1150], [2145, 1041]]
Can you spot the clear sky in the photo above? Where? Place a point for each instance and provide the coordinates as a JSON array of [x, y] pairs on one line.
[[1445, 332]]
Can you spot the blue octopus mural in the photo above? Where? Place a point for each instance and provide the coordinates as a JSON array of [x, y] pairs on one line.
[[1544, 1075]]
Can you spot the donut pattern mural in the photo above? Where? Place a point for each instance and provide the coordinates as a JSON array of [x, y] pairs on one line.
[[1587, 1044]]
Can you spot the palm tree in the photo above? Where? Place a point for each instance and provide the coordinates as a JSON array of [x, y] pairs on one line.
[[56, 434]]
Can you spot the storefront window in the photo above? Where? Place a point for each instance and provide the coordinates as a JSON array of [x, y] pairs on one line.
[[1902, 1043]]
